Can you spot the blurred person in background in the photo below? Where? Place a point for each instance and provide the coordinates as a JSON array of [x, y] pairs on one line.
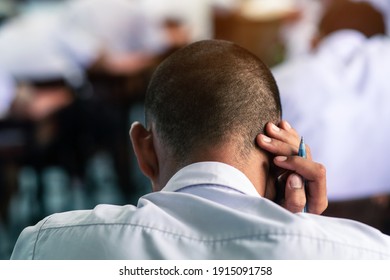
[[50, 51], [384, 7], [76, 34], [338, 97], [197, 16], [300, 27], [68, 39]]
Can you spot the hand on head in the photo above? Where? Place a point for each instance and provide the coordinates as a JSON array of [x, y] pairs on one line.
[[282, 142]]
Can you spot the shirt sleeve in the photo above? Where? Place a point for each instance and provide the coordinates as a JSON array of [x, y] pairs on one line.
[[26, 244]]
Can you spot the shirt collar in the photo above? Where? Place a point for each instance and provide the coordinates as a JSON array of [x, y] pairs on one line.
[[211, 173]]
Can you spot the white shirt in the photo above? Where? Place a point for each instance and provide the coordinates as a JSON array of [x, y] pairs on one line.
[[7, 94], [297, 34], [207, 210], [120, 26], [197, 16], [338, 99], [37, 45], [64, 39]]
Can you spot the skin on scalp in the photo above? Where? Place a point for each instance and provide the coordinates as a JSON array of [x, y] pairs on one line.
[[209, 94]]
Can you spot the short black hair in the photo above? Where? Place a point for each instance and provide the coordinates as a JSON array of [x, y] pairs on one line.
[[359, 16], [208, 93]]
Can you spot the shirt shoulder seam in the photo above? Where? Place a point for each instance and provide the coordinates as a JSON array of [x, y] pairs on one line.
[[242, 236], [37, 238]]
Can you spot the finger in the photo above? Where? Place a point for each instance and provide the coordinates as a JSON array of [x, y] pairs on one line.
[[275, 146], [315, 176], [308, 152], [310, 170], [294, 194], [286, 126], [285, 133], [288, 135], [279, 148]]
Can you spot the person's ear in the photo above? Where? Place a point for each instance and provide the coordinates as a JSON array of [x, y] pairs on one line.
[[145, 151]]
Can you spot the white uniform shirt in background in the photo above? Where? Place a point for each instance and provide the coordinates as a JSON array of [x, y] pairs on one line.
[[7, 93], [120, 26], [338, 98], [64, 39], [37, 45], [207, 210]]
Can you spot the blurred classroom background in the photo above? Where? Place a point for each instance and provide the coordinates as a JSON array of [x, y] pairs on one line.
[[73, 75]]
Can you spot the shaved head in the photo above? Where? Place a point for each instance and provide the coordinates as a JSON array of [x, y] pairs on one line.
[[209, 93]]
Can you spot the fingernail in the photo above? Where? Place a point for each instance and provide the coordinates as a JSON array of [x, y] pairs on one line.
[[275, 128], [266, 139], [295, 181], [280, 158]]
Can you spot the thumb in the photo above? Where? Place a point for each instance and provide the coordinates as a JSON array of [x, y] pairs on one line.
[[295, 197]]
